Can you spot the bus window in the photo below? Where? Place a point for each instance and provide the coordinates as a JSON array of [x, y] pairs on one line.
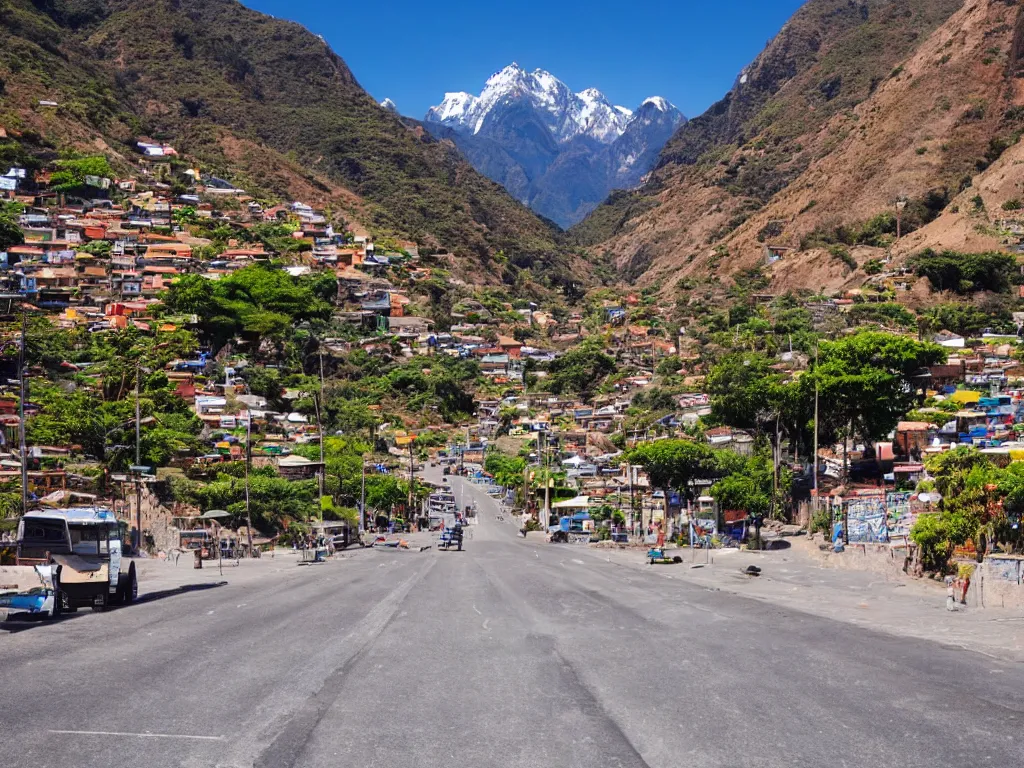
[[88, 540]]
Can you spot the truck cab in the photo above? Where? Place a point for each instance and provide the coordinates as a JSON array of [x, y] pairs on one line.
[[85, 551]]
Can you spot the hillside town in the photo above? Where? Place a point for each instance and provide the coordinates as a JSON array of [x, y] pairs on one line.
[[554, 392], [538, 431]]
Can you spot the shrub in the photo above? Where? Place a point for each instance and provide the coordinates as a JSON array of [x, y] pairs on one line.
[[770, 231], [965, 272], [1013, 205], [843, 254], [889, 313]]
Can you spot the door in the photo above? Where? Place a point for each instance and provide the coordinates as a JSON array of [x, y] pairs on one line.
[[114, 543]]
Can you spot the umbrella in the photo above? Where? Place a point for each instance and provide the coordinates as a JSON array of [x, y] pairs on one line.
[[214, 514]]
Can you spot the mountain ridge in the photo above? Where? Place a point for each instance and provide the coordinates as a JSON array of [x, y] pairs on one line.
[[264, 99], [557, 151], [852, 108]]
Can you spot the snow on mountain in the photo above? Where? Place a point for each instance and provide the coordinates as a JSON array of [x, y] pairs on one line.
[[558, 151], [658, 102], [452, 110], [389, 105], [566, 114]]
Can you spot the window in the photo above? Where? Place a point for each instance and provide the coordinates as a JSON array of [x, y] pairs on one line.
[[40, 532], [89, 540]]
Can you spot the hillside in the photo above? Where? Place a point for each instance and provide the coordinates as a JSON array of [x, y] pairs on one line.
[[851, 108], [260, 100]]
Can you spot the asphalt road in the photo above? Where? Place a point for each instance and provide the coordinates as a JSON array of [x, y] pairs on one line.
[[507, 654]]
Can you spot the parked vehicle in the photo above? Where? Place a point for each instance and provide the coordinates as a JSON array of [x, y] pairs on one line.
[[85, 554], [451, 537]]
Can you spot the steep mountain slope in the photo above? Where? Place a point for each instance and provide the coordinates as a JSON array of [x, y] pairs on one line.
[[258, 97], [852, 107], [557, 151]]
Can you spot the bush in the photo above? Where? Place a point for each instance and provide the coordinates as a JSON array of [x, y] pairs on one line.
[[1013, 205], [841, 253], [931, 534], [965, 272], [885, 314], [965, 319]]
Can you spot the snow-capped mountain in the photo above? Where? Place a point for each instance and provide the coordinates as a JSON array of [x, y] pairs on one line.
[[389, 105], [564, 113], [558, 151]]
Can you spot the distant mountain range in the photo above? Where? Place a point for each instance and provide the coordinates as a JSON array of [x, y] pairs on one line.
[[558, 151]]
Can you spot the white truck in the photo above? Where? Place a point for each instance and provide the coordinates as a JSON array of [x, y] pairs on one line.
[[66, 559]]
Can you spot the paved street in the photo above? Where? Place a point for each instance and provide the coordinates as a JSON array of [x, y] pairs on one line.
[[507, 654]]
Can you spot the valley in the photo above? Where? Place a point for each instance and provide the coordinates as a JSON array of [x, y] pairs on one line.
[[608, 408]]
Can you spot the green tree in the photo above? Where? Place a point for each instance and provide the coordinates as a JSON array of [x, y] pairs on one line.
[[385, 492], [675, 464], [69, 178], [580, 370], [10, 232], [752, 488], [966, 272], [868, 381], [507, 470], [192, 294]]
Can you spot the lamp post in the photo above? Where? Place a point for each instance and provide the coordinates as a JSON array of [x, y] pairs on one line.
[[362, 500], [248, 459]]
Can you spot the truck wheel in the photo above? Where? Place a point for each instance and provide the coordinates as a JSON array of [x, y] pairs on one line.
[[131, 588]]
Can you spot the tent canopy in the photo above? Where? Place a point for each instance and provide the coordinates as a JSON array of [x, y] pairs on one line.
[[579, 502]]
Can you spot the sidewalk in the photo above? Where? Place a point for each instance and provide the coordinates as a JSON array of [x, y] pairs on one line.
[[792, 578]]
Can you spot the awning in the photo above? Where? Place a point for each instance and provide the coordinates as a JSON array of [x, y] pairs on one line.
[[579, 502], [215, 514]]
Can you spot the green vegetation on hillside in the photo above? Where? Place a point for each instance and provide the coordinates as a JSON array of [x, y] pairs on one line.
[[217, 79]]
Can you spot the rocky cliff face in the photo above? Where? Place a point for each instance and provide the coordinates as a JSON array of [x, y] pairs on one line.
[[559, 152], [853, 108]]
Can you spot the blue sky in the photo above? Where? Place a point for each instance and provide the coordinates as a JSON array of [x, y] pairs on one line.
[[413, 51]]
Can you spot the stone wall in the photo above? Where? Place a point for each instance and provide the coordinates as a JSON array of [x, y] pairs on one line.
[[998, 583]]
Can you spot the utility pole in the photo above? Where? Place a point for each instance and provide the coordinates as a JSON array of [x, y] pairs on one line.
[[320, 425], [138, 457], [814, 506], [412, 477], [362, 500], [547, 487], [21, 415], [248, 459], [632, 500]]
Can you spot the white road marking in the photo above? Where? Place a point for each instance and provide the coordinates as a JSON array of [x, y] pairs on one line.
[[477, 611], [486, 622], [142, 735]]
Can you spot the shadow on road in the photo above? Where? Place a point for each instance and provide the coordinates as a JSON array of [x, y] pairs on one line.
[[19, 622], [150, 597]]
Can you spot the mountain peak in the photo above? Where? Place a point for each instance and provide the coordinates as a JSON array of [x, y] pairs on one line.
[[513, 73], [659, 103], [592, 94], [564, 113], [389, 105]]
